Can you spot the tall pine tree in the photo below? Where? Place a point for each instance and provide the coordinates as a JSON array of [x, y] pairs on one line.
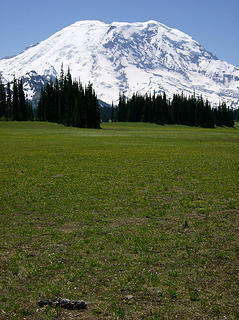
[[3, 104]]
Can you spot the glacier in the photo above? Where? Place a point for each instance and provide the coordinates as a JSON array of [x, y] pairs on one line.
[[126, 57]]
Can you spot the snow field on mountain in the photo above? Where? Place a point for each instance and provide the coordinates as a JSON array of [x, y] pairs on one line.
[[127, 57]]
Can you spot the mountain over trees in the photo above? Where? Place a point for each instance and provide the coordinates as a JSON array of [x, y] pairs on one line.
[[140, 57]]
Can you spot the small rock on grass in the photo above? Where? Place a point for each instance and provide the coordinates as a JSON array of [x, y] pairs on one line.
[[159, 292], [129, 297], [64, 303]]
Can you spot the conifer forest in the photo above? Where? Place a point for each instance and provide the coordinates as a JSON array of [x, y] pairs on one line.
[[68, 102]]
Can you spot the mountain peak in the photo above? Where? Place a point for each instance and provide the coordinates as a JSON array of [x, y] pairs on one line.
[[88, 22], [129, 57]]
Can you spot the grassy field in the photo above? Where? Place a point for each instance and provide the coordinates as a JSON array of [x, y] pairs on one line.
[[138, 220]]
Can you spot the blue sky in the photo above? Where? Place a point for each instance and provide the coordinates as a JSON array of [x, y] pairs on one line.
[[214, 23]]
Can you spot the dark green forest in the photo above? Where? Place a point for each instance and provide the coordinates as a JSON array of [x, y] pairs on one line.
[[13, 103], [67, 102], [190, 111]]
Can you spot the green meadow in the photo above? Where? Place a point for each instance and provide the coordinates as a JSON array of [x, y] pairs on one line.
[[140, 221]]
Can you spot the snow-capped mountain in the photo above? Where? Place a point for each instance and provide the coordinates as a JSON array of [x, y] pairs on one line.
[[127, 57]]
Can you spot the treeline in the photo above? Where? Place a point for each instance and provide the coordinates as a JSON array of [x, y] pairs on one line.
[[67, 102], [190, 111], [13, 103]]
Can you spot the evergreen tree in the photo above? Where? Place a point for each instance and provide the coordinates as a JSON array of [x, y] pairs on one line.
[[112, 112], [3, 104], [9, 114], [56, 97], [208, 116], [82, 107], [76, 107], [51, 114], [92, 108], [229, 118], [122, 108], [21, 102], [15, 102], [159, 117], [147, 109], [69, 98], [30, 113]]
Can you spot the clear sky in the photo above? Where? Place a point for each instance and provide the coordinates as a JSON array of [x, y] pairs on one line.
[[213, 23]]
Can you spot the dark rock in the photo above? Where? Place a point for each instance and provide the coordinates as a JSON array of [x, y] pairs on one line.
[[186, 224], [43, 303], [64, 303]]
